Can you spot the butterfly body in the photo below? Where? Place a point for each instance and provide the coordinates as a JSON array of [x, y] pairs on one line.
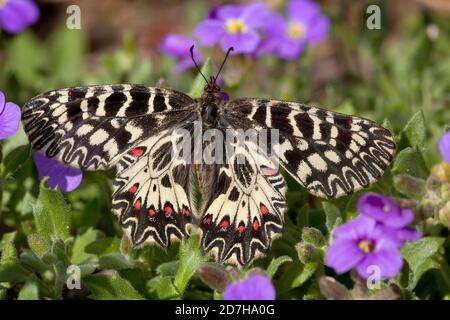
[[135, 128]]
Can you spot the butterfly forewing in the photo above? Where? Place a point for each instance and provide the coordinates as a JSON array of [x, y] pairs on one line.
[[330, 154], [92, 127]]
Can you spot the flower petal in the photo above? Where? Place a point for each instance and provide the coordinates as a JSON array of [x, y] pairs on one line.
[[242, 42], [2, 101], [184, 64], [386, 260], [444, 146], [302, 10], [9, 119], [289, 49], [357, 228], [177, 45], [256, 15], [209, 32], [318, 30], [60, 175], [18, 14], [229, 11], [343, 255], [384, 210], [255, 287]]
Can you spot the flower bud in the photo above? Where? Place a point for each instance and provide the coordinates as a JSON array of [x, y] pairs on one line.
[[441, 171], [393, 292], [444, 215], [307, 252], [409, 186], [313, 236], [333, 290], [215, 277]]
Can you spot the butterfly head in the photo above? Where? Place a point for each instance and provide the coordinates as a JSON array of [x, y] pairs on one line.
[[211, 89]]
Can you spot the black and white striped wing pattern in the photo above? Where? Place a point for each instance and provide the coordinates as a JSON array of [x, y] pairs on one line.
[[151, 195], [328, 153], [127, 127], [93, 127], [244, 207]]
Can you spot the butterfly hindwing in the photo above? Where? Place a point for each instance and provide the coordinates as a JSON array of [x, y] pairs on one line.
[[151, 193], [330, 154], [92, 127], [244, 208]]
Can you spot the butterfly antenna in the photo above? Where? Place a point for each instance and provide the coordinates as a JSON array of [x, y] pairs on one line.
[[223, 62], [196, 65]]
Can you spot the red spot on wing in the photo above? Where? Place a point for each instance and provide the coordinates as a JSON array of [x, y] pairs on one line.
[[241, 228], [137, 152], [168, 211], [151, 212], [255, 225], [134, 188], [268, 171], [138, 204], [224, 224], [186, 212], [206, 220], [264, 209]]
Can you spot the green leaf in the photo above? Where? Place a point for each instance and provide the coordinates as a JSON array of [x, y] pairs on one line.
[[168, 268], [51, 214], [410, 161], [333, 215], [115, 261], [306, 271], [110, 287], [415, 130], [30, 291], [103, 246], [38, 244], [9, 254], [275, 265], [199, 82], [14, 272], [191, 258], [81, 242], [164, 287], [15, 160], [420, 256], [296, 274]]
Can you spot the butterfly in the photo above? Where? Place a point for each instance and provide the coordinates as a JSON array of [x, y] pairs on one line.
[[130, 128]]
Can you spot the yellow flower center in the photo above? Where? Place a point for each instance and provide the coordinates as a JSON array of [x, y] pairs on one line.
[[366, 246], [386, 208], [2, 2], [296, 30], [236, 26]]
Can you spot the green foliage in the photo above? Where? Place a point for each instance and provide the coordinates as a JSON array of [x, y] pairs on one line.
[[51, 214], [110, 287]]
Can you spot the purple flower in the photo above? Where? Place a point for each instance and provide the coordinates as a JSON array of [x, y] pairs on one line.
[[234, 26], [178, 46], [255, 287], [444, 146], [9, 117], [390, 216], [384, 210], [304, 25], [365, 245], [16, 15], [65, 178]]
